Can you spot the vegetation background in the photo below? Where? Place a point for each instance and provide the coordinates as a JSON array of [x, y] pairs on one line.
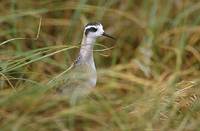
[[149, 79]]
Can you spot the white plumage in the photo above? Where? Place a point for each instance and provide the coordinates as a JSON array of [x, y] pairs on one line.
[[83, 77]]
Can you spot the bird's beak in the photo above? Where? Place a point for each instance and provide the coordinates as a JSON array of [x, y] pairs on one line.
[[107, 35]]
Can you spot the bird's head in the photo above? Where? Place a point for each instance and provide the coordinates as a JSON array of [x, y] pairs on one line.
[[95, 30]]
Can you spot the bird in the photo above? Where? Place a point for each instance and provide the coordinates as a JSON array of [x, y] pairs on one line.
[[82, 77]]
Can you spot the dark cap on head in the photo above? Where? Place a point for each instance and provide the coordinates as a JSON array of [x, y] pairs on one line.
[[93, 23]]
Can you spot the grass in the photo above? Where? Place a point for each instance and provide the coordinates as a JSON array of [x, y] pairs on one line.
[[149, 81]]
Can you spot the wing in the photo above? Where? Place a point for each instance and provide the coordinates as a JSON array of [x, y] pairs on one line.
[[77, 81]]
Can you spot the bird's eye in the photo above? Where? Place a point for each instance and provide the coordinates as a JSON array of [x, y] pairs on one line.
[[92, 29]]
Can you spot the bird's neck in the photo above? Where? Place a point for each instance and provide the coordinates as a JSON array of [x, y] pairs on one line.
[[86, 51]]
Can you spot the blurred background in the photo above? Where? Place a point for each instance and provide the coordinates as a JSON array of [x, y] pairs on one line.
[[148, 79]]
